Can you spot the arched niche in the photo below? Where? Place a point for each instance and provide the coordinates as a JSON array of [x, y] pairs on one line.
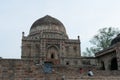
[[52, 52], [102, 65]]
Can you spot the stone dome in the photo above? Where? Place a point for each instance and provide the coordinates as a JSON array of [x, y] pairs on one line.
[[46, 26], [115, 40]]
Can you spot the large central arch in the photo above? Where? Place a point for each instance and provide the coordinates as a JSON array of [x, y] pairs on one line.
[[53, 54]]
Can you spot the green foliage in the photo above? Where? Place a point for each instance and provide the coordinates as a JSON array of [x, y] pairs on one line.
[[101, 40]]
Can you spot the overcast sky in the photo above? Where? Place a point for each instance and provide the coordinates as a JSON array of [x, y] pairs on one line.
[[80, 17]]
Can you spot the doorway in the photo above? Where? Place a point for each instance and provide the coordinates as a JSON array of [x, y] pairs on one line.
[[102, 65], [114, 65]]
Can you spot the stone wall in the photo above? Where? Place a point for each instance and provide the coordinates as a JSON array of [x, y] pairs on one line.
[[16, 69]]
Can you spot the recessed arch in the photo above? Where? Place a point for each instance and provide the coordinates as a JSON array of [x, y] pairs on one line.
[[52, 52], [102, 65], [114, 65]]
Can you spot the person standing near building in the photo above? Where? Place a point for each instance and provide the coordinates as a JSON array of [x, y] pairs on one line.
[[81, 70]]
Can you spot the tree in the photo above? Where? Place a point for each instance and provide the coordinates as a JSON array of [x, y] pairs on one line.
[[101, 40]]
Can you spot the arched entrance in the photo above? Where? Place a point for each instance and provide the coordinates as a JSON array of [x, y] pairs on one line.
[[53, 54], [102, 65], [114, 65]]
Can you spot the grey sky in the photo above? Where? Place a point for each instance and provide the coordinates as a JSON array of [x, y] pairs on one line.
[[80, 17]]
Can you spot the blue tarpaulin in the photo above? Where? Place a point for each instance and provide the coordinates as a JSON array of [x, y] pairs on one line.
[[48, 67]]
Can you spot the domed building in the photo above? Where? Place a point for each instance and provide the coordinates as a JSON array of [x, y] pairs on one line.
[[46, 53], [48, 42]]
